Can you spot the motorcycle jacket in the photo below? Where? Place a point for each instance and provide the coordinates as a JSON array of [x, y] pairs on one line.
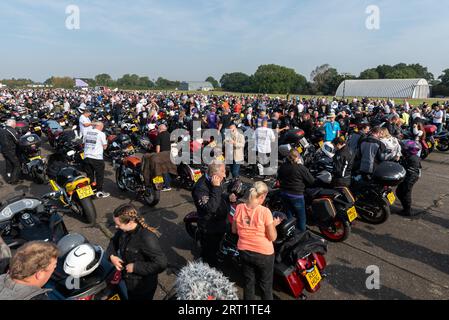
[[212, 206], [343, 163], [8, 139]]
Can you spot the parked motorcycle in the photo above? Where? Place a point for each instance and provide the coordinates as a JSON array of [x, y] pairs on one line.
[[375, 196], [31, 161], [331, 210], [24, 219], [76, 190], [129, 177]]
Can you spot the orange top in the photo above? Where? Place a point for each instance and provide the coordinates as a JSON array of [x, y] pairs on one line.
[[251, 225]]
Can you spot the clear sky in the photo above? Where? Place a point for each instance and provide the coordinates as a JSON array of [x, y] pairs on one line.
[[190, 40]]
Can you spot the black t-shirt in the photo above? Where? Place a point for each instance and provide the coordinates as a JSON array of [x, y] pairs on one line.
[[226, 121], [163, 140]]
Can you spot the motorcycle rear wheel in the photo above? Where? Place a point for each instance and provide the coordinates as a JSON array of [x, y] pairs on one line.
[[119, 180], [338, 232], [381, 212], [87, 210], [152, 196]]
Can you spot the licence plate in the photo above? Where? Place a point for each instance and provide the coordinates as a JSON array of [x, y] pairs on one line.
[[391, 198], [313, 278], [37, 128], [352, 214], [82, 155], [436, 143], [430, 145], [158, 180], [299, 149], [36, 158], [115, 297], [197, 176], [85, 192], [134, 129], [321, 143]]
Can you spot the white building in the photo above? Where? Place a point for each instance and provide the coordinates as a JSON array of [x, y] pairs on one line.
[[385, 88]]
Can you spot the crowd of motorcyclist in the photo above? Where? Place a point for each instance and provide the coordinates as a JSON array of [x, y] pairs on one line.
[[359, 134]]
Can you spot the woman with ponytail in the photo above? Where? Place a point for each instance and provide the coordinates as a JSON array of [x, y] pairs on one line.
[[256, 228], [135, 251]]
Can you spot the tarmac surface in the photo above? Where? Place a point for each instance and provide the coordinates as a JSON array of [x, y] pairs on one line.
[[411, 254]]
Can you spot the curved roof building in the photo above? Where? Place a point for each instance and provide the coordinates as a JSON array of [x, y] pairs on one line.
[[385, 88]]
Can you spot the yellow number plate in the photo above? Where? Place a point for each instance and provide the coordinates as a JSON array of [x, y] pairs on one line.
[[158, 180], [82, 155], [116, 297], [299, 149], [391, 198], [36, 158], [430, 145], [352, 214], [321, 143], [85, 192], [134, 129], [197, 176], [436, 143], [37, 128], [314, 278]]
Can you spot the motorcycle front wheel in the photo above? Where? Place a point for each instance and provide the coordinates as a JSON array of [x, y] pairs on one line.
[[120, 180]]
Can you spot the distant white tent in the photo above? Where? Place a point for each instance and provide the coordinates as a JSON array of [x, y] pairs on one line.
[[385, 88], [80, 83]]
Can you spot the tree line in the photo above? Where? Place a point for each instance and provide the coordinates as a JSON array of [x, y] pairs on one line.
[[269, 78]]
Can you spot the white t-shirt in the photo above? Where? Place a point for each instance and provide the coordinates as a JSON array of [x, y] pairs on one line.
[[84, 120], [139, 108], [94, 140], [300, 108], [439, 115], [66, 107], [264, 137]]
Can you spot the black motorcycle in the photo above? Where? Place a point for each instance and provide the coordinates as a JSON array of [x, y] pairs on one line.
[[31, 162], [375, 195], [24, 219]]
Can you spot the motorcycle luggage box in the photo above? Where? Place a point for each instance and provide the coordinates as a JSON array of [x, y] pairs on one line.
[[286, 229], [290, 278], [30, 140], [389, 174], [323, 209], [293, 136]]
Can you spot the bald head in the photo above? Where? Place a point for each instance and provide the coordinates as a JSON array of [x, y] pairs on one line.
[[98, 125]]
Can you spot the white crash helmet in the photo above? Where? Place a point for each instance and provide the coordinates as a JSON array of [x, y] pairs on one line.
[[328, 149], [83, 260]]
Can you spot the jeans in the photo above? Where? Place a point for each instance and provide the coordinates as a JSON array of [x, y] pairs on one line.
[[439, 127], [95, 171], [296, 207], [235, 170], [167, 180], [257, 269]]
